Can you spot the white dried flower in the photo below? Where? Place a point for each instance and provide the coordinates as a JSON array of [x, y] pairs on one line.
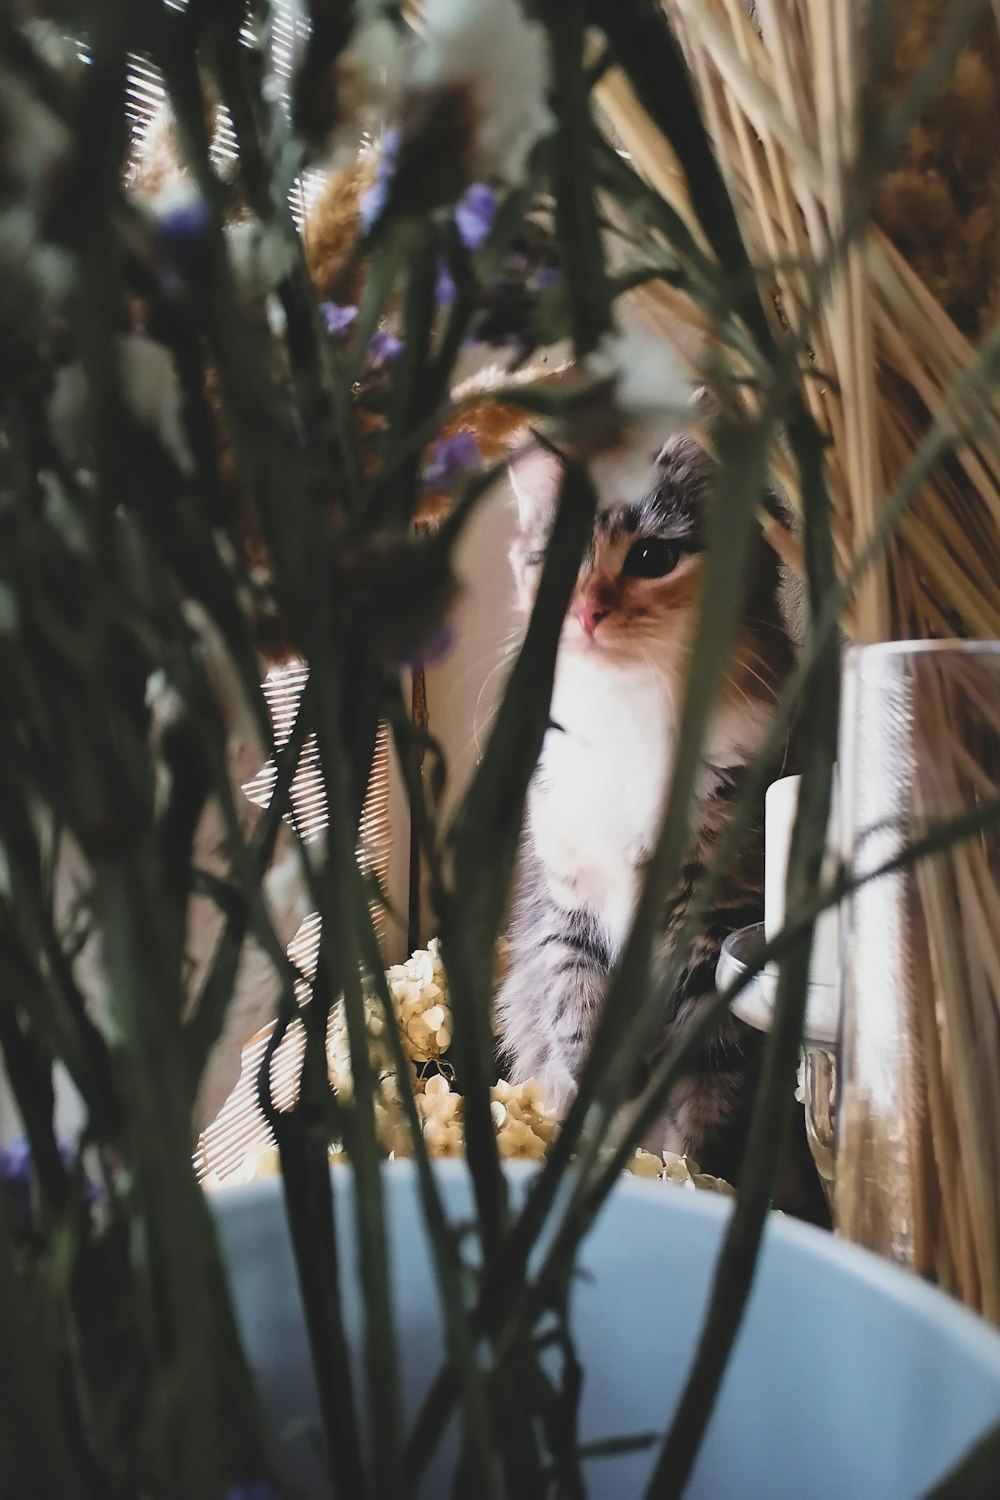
[[33, 140], [519, 1111], [149, 385], [261, 257], [443, 1140], [516, 1138], [34, 148], [419, 997], [49, 271], [712, 1184], [57, 50], [368, 79], [633, 396], [676, 1169], [651, 402], [67, 413], [497, 60], [679, 1170], [166, 708], [286, 889], [645, 1164], [241, 724], [62, 514], [152, 390]]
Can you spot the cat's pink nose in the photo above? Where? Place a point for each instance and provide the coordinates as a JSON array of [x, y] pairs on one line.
[[590, 613]]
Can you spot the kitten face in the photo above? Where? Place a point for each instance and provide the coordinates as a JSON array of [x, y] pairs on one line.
[[636, 601], [637, 590]]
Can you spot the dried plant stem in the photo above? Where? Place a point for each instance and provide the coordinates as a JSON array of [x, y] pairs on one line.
[[783, 113]]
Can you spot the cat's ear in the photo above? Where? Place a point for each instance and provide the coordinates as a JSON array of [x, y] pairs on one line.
[[535, 477]]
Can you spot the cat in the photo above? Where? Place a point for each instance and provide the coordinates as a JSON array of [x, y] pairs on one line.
[[597, 796]]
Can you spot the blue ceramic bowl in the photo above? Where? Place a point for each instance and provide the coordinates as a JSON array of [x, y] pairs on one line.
[[850, 1379]]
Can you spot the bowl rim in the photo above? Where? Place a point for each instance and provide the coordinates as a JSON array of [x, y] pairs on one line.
[[851, 1263]]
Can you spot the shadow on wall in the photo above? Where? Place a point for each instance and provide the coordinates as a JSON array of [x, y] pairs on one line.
[[463, 689]]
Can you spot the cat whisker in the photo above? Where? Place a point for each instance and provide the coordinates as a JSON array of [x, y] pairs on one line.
[[650, 661], [477, 725], [735, 687], [767, 686], [759, 623]]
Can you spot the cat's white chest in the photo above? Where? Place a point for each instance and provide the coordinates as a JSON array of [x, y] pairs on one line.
[[598, 798]]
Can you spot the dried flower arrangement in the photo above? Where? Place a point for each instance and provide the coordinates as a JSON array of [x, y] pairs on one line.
[[525, 1128], [904, 309], [899, 371], [149, 559]]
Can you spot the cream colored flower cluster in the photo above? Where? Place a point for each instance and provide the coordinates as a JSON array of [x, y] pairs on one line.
[[419, 992], [419, 996], [679, 1169], [524, 1127]]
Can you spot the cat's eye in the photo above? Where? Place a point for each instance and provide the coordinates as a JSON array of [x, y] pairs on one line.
[[652, 557]]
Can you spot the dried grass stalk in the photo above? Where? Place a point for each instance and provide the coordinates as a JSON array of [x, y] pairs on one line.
[[907, 303], [784, 111]]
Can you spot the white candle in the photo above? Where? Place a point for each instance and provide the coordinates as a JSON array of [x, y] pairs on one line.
[[780, 807]]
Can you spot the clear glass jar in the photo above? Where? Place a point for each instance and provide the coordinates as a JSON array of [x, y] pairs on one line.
[[918, 1115]]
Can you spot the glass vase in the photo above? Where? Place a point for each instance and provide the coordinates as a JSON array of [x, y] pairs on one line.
[[918, 1120]]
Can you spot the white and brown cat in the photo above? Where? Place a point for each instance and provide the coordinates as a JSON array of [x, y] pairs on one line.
[[597, 797]]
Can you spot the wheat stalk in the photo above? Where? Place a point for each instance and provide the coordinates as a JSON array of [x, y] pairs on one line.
[[783, 111], [784, 108]]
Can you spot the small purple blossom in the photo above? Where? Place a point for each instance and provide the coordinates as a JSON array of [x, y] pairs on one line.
[[451, 459], [338, 319], [445, 289], [429, 651], [474, 215], [385, 347], [180, 237], [374, 200], [436, 648], [257, 1489], [185, 222], [16, 1173], [546, 277]]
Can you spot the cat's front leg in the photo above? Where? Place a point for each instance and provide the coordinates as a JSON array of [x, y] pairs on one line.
[[550, 1000]]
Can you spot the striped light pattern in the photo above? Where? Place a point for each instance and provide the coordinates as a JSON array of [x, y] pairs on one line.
[[240, 1131], [145, 97]]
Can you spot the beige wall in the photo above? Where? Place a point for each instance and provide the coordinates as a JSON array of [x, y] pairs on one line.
[[462, 690]]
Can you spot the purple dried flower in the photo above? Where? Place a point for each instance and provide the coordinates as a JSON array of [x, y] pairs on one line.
[[445, 289], [180, 239], [17, 1176], [451, 459], [384, 347], [474, 215], [337, 319], [17, 1173], [429, 651], [184, 225], [374, 200], [436, 648]]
